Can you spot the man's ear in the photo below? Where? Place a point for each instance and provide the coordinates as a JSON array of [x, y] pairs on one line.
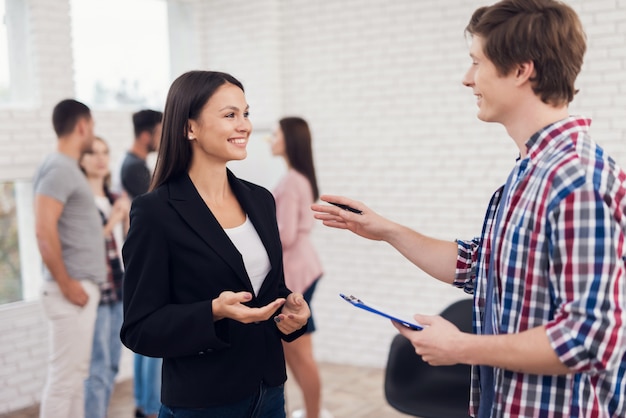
[[524, 72], [144, 138], [81, 126]]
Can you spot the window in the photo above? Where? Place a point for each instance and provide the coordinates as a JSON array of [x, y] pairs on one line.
[[121, 52], [20, 263], [16, 76], [10, 274], [4, 56]]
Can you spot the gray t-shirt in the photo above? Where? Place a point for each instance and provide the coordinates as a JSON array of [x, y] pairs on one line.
[[80, 225]]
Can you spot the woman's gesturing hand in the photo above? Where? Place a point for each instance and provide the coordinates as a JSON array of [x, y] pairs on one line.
[[231, 305], [294, 315]]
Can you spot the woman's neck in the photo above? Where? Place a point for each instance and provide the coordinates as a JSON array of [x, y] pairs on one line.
[[97, 185], [211, 181]]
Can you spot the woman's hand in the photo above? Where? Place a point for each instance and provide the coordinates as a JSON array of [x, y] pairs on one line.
[[294, 314], [121, 208], [367, 224], [231, 305], [119, 213]]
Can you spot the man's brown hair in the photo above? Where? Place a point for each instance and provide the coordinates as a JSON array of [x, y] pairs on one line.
[[66, 115], [546, 32]]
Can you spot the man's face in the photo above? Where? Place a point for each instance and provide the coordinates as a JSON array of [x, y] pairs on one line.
[[155, 139], [495, 94], [86, 128]]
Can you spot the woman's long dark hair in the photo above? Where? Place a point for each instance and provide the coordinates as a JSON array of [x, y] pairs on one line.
[[185, 100], [298, 149]]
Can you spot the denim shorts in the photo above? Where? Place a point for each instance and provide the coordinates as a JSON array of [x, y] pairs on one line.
[[308, 296]]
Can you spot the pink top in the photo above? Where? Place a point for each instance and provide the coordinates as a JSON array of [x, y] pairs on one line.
[[294, 197]]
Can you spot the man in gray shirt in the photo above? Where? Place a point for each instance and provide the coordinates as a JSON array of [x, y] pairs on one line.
[[70, 240]]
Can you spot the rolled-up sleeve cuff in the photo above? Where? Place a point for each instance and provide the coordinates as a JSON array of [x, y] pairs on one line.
[[571, 352], [465, 273]]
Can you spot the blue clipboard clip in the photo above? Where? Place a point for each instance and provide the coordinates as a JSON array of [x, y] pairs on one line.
[[379, 311]]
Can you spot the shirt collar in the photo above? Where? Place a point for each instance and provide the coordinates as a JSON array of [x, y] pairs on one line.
[[548, 137]]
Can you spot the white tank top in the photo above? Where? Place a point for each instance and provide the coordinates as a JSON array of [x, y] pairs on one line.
[[104, 205], [254, 255]]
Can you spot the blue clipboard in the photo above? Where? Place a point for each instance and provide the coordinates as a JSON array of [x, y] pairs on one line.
[[379, 311]]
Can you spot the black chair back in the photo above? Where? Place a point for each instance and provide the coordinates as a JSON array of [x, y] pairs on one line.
[[414, 387]]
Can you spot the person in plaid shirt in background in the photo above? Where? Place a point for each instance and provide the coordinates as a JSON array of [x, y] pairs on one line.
[[548, 270], [107, 346]]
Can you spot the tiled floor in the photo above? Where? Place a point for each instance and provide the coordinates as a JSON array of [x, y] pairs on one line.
[[348, 391]]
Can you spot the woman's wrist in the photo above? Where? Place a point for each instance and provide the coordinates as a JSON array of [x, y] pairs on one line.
[[215, 307]]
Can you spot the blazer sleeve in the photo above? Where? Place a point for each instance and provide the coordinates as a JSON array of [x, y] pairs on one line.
[[152, 325]]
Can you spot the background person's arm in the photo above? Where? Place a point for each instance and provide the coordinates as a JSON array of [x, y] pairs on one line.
[[287, 218], [47, 213], [119, 213]]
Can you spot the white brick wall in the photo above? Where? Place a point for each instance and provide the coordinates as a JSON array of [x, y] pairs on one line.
[[380, 83], [22, 354]]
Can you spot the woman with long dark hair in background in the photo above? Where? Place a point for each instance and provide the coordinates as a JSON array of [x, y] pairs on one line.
[[294, 195]]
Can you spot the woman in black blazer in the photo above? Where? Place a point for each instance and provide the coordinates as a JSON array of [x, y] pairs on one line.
[[204, 284]]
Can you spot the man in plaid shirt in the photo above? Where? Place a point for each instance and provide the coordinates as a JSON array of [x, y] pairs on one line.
[[550, 299]]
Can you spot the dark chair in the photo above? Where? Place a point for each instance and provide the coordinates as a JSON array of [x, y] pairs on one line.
[[414, 387]]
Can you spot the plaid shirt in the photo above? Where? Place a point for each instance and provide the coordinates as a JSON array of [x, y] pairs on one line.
[[560, 261], [111, 288]]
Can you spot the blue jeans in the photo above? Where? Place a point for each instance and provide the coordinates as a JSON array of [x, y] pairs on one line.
[[268, 402], [105, 359], [147, 383]]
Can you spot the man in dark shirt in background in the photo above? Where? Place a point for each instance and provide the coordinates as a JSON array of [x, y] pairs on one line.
[[135, 178], [135, 174]]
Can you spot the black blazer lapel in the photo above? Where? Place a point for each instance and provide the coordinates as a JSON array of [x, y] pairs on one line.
[[186, 200]]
